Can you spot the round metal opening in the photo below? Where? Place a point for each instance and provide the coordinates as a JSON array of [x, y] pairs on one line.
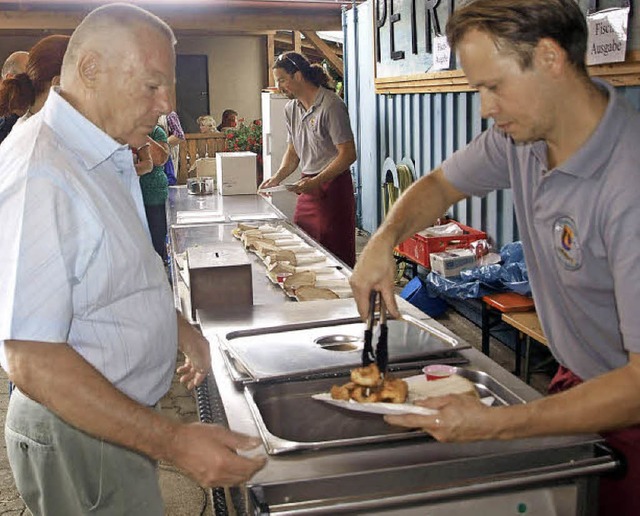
[[339, 342]]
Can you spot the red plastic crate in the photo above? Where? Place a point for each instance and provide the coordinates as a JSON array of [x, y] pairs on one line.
[[418, 248]]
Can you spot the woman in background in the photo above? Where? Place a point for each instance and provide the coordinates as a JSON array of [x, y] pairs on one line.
[[27, 92], [171, 125], [207, 124], [151, 158]]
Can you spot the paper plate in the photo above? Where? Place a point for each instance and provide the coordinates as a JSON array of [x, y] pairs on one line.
[[414, 383]]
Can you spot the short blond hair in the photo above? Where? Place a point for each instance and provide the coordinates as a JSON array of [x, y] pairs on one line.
[[207, 120]]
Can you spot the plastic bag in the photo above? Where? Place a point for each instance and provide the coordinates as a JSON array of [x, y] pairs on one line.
[[509, 276], [170, 172]]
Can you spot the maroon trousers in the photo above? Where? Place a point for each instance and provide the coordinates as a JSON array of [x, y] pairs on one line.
[[619, 495], [328, 215]]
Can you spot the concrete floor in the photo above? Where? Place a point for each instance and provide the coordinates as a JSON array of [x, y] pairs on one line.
[[183, 497]]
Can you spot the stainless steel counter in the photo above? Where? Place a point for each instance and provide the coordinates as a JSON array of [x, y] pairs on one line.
[[555, 475], [406, 473], [232, 208]]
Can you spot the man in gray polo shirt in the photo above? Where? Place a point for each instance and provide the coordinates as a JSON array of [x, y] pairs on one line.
[[568, 148], [321, 143]]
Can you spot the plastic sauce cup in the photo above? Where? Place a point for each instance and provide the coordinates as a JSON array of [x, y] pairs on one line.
[[282, 276], [438, 371]]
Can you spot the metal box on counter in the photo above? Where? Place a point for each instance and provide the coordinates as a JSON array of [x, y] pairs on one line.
[[218, 277], [236, 173]]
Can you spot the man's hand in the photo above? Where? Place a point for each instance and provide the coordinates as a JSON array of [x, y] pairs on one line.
[[197, 355], [207, 453], [375, 270], [268, 183], [460, 418], [306, 185]]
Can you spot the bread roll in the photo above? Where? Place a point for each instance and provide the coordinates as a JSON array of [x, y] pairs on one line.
[[300, 279], [309, 293], [454, 384]]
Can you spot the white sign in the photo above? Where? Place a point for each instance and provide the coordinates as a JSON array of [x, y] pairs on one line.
[[441, 53], [607, 41]]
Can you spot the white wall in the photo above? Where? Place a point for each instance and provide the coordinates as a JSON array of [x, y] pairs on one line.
[[237, 71]]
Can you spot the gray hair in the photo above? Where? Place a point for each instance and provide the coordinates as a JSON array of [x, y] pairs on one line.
[[110, 17]]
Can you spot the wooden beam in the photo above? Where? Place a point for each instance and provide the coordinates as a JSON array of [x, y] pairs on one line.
[[297, 41], [205, 22], [271, 51], [284, 41], [326, 51]]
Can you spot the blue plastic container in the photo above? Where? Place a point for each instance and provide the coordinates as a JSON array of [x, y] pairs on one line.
[[416, 293]]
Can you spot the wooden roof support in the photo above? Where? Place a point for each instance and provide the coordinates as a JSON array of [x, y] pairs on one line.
[[271, 50], [297, 42], [326, 51]]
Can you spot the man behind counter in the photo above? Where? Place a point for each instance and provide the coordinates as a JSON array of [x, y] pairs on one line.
[[321, 142], [568, 148], [88, 330]]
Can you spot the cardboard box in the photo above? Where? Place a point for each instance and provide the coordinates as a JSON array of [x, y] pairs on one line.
[[236, 173], [452, 262]]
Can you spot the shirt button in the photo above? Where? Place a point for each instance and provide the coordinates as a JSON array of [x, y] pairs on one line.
[[24, 446]]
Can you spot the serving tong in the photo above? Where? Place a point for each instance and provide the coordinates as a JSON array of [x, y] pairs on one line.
[[381, 354]]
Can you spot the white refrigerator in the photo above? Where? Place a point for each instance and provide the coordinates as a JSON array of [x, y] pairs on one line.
[[274, 145]]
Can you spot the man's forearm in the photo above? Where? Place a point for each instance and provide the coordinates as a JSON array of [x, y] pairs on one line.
[[56, 376]]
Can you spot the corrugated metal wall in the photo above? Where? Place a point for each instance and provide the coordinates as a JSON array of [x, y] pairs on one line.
[[426, 128]]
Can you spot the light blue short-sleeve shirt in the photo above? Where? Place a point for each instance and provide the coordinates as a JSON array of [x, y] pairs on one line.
[[76, 261], [316, 132], [579, 225]]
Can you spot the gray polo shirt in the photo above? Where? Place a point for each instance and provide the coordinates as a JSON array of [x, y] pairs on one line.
[[580, 228], [316, 132]]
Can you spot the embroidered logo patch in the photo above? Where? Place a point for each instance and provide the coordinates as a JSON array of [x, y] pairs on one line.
[[566, 242]]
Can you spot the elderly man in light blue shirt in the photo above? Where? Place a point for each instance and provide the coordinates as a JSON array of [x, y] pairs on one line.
[[88, 330]]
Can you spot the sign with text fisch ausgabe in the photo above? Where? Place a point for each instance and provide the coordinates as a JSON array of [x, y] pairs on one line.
[[607, 41]]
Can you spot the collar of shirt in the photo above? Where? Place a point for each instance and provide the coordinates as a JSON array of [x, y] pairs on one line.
[[88, 141], [596, 151], [316, 102]]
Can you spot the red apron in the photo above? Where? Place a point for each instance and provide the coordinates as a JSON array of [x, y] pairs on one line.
[[619, 494], [328, 215]]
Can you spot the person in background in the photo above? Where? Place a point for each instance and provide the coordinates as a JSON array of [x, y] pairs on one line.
[[567, 146], [13, 65], [321, 142], [27, 92], [207, 124], [171, 126], [229, 120], [154, 184], [88, 329]]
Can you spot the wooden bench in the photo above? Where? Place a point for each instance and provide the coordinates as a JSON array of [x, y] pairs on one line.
[[493, 306], [527, 324]]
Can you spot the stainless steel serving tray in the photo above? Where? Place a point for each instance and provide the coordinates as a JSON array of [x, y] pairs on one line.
[[300, 350], [289, 419]]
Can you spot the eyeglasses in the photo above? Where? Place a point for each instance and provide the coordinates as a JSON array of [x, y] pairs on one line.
[[282, 57]]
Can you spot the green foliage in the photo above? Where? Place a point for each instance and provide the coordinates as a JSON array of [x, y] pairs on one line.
[[245, 137]]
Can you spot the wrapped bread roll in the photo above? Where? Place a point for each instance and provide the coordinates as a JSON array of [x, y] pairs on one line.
[[309, 293], [299, 279], [332, 283], [309, 259], [280, 255]]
